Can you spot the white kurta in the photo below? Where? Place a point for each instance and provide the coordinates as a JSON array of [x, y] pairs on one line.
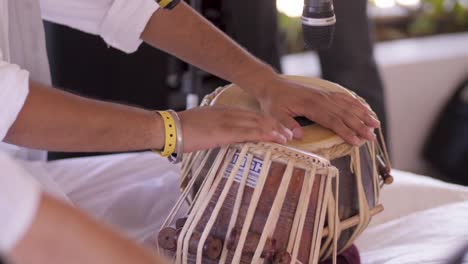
[[23, 57], [23, 52], [22, 42], [19, 197]]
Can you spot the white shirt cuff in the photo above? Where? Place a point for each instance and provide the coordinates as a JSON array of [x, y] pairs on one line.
[[14, 88], [125, 21], [19, 200]]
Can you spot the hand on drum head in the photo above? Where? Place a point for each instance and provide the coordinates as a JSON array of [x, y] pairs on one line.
[[340, 112], [209, 127]]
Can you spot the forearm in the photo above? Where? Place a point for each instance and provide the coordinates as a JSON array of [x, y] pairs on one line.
[[56, 120], [62, 234], [187, 35]]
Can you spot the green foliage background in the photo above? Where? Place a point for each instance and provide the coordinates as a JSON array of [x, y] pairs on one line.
[[433, 17], [440, 16]]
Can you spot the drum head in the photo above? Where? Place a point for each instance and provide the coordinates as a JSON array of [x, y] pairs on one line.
[[317, 139]]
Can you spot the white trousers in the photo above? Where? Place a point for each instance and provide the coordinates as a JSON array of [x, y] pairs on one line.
[[131, 192]]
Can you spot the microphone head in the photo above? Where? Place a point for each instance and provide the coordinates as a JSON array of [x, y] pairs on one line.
[[318, 37], [318, 23]]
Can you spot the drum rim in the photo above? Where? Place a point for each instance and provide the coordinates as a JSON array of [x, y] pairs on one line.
[[282, 153]]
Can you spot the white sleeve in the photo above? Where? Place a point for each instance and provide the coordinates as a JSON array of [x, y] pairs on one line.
[[19, 200], [119, 22], [14, 87]]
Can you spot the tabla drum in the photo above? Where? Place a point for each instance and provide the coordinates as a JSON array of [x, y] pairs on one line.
[[351, 200], [258, 202]]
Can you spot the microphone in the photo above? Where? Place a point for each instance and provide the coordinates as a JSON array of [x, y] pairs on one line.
[[318, 23]]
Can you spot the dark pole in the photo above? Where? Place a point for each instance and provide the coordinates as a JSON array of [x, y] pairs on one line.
[[193, 82]]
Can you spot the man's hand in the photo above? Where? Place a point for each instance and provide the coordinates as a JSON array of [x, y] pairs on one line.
[[342, 113], [209, 127]]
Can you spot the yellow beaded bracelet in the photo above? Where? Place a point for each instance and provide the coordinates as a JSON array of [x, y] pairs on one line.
[[170, 134], [168, 4], [164, 3]]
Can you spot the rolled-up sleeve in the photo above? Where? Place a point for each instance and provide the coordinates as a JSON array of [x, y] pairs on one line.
[[119, 22], [19, 200], [14, 87]]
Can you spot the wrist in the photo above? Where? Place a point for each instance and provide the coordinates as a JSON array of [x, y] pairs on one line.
[[157, 130], [258, 79]]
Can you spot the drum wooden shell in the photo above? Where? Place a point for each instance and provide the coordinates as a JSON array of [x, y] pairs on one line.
[[265, 202]]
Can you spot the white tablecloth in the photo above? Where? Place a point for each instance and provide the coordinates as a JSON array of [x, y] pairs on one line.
[[424, 221]]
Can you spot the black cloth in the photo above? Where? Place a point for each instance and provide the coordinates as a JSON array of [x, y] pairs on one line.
[[254, 25], [85, 64], [461, 256], [350, 60], [446, 147]]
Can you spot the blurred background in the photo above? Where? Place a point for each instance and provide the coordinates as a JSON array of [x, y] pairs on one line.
[[392, 19], [421, 53], [421, 49]]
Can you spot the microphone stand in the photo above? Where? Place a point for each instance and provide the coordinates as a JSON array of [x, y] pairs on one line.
[[192, 81]]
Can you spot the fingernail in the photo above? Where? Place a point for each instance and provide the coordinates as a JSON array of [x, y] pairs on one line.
[[355, 140], [283, 139], [289, 133], [376, 121], [371, 134], [297, 132], [278, 136]]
